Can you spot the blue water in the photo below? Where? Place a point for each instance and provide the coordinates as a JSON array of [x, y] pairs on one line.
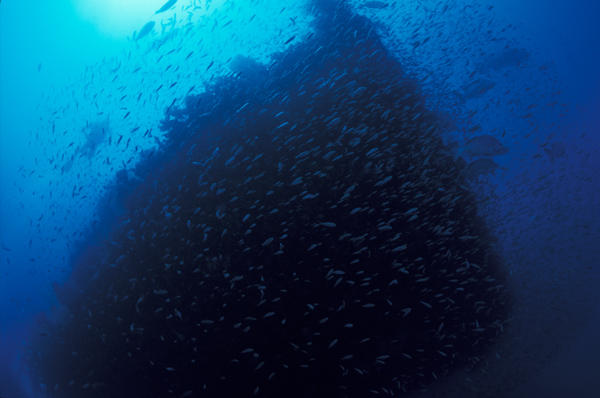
[[220, 195]]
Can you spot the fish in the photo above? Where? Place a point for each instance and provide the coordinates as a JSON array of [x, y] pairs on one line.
[[317, 225], [166, 6], [484, 145], [474, 89], [481, 166], [146, 29], [506, 58], [377, 5], [556, 150]]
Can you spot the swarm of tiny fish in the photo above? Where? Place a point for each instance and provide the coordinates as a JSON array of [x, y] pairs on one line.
[[304, 235]]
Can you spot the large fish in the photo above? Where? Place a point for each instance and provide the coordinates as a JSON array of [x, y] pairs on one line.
[[484, 145], [481, 166], [475, 89], [166, 6], [145, 30], [507, 58], [556, 150]]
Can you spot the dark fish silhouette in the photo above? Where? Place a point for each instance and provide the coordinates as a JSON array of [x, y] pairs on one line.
[[556, 150], [484, 145], [145, 30], [166, 6], [475, 89], [481, 166], [507, 58]]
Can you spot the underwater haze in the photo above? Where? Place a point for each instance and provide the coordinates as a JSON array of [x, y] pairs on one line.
[[311, 198]]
